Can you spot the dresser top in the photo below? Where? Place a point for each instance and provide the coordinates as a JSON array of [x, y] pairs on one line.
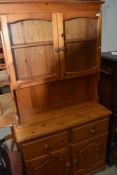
[[60, 119], [60, 1], [50, 0]]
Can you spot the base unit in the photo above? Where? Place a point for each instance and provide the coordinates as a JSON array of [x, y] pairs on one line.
[[89, 156], [68, 152]]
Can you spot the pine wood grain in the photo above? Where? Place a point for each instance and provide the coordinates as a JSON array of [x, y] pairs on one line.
[[52, 51], [60, 119], [31, 57], [40, 98]]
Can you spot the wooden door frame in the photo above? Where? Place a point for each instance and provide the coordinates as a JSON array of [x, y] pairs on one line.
[[61, 34], [16, 84]]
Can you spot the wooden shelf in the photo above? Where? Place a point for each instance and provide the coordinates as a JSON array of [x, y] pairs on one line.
[[33, 44], [60, 119], [75, 40], [85, 72], [60, 1]]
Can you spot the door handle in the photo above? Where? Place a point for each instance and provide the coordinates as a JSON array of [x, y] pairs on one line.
[[75, 161], [68, 164], [63, 48], [93, 130], [57, 49]]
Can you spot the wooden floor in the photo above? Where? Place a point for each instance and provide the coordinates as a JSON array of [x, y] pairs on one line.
[[108, 171]]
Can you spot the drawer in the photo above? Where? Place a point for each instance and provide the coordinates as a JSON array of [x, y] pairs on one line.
[[45, 145], [90, 130]]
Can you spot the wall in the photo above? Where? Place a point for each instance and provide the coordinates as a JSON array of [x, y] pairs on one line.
[[109, 25]]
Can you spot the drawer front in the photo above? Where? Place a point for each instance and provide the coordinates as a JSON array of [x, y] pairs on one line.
[[45, 145], [89, 131]]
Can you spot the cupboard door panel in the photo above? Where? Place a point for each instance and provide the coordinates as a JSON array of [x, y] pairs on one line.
[[78, 41], [55, 164], [80, 28], [34, 62], [31, 49], [29, 31], [89, 156], [79, 57]]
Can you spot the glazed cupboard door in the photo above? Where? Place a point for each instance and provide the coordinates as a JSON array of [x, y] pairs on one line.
[[54, 164], [30, 45], [79, 41]]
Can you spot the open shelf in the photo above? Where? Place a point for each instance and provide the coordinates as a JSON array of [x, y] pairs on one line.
[[82, 73], [74, 40], [33, 44]]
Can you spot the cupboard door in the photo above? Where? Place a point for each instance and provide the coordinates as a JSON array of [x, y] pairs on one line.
[[89, 156], [55, 164], [31, 47], [78, 42]]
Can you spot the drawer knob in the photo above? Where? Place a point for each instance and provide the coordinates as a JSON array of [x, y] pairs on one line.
[[63, 48], [62, 35], [93, 130], [57, 49], [68, 164], [75, 161], [46, 146]]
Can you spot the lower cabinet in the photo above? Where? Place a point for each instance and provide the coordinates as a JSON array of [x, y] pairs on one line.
[[57, 163], [80, 150], [89, 156]]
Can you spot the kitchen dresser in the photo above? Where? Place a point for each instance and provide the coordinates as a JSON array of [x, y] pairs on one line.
[[52, 52]]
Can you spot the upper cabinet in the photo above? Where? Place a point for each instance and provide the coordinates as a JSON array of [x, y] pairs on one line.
[[46, 47], [31, 48], [78, 41]]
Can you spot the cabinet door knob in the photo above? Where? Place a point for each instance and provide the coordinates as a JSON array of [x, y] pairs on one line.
[[68, 164], [63, 48], [97, 14], [57, 49], [75, 161], [93, 130], [46, 146], [62, 35]]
